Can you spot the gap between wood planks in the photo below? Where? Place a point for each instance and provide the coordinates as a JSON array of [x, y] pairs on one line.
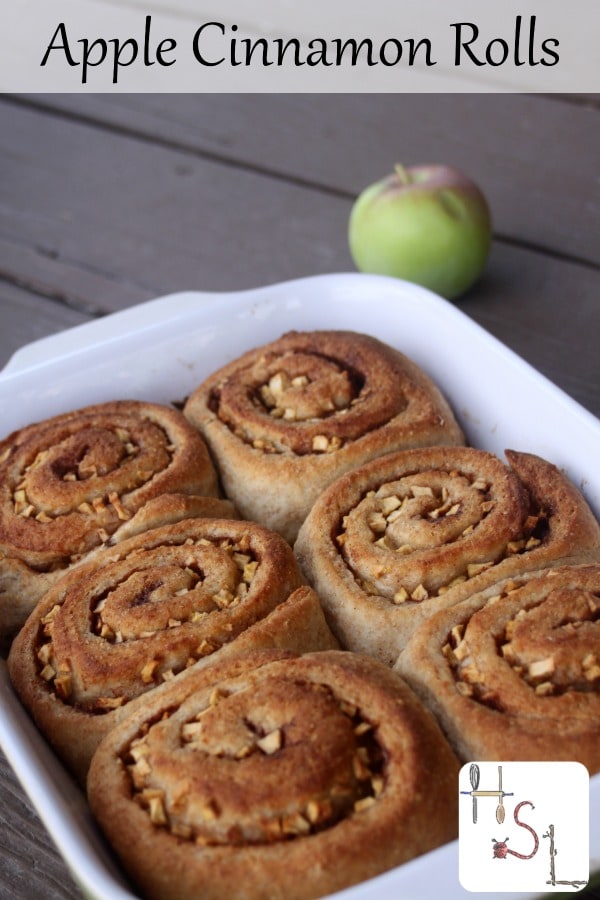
[[233, 161]]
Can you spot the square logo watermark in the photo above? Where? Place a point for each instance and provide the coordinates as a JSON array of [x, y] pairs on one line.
[[524, 826]]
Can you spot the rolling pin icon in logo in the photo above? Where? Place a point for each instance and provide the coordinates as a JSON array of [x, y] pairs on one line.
[[475, 793]]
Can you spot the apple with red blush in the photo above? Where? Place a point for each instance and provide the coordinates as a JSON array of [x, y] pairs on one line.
[[428, 224]]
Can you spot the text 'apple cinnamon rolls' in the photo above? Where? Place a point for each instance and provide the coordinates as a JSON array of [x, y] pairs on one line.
[[291, 777], [68, 483], [514, 671], [145, 610], [285, 419], [389, 544]]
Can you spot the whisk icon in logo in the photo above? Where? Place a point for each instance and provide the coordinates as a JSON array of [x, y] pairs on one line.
[[509, 839], [475, 793]]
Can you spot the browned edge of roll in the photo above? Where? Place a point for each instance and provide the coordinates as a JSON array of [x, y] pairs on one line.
[[69, 482], [374, 595], [513, 672], [283, 420], [281, 614], [353, 775]]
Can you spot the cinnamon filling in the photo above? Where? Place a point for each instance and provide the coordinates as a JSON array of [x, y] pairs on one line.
[[282, 760]]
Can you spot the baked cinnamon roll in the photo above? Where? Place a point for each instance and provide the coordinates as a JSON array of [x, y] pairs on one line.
[[286, 419], [514, 672], [289, 777], [140, 613], [389, 544], [68, 483]]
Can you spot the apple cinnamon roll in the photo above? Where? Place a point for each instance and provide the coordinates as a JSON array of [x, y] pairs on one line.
[[286, 419], [68, 483], [288, 777], [389, 544], [142, 612], [514, 671]]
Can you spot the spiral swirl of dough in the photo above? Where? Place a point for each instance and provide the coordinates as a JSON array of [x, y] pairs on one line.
[[281, 766], [140, 613], [401, 537], [68, 483], [514, 672], [304, 384], [285, 419]]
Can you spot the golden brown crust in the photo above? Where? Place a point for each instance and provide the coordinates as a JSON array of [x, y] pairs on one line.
[[389, 544], [293, 776], [144, 611], [514, 672], [169, 508], [68, 483], [284, 420]]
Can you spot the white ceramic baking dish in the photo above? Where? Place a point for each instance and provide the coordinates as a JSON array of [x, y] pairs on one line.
[[160, 350]]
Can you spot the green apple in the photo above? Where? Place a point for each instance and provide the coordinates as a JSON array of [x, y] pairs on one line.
[[427, 224]]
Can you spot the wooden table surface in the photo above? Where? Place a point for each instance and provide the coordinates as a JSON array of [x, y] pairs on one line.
[[110, 200]]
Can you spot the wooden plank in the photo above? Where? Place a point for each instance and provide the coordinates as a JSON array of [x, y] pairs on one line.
[[535, 156], [117, 220], [26, 317], [151, 220], [546, 310], [30, 866]]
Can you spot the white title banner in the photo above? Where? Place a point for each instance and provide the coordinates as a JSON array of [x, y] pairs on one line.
[[329, 46]]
